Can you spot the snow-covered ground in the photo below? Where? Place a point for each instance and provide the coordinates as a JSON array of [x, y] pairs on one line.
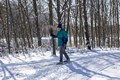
[[97, 64]]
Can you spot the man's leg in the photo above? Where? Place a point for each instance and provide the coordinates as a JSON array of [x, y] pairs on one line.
[[61, 54], [64, 52]]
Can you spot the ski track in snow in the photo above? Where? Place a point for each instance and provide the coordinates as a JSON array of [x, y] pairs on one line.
[[85, 65]]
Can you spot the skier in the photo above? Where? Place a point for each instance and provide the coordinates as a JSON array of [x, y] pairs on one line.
[[62, 41]]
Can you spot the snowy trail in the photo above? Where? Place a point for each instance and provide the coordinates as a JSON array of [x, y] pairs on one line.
[[85, 65]]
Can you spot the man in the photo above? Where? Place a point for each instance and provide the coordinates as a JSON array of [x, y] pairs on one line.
[[62, 41]]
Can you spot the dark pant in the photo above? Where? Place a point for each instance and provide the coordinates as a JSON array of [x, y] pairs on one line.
[[62, 52]]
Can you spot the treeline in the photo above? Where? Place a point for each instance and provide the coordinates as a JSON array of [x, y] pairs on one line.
[[22, 21], [94, 23], [100, 16]]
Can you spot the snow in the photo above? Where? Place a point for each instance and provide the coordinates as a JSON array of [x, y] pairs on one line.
[[97, 64]]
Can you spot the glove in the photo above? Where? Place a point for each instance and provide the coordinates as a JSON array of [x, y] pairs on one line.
[[51, 35]]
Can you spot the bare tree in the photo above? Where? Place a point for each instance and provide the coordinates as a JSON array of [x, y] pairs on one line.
[[13, 25], [36, 22], [51, 23], [86, 26], [8, 28]]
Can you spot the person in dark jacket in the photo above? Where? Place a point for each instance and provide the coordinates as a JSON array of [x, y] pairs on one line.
[[62, 41]]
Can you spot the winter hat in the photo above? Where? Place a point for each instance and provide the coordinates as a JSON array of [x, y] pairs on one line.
[[59, 25]]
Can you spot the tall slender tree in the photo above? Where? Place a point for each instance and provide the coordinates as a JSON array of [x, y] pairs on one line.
[[8, 27], [86, 26], [51, 23], [36, 22]]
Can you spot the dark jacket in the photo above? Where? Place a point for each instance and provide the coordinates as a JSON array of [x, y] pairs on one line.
[[62, 37]]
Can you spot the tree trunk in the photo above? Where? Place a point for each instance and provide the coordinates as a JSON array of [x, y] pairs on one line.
[[81, 31], [92, 28], [86, 26], [8, 28], [29, 25], [36, 22], [51, 23], [118, 28], [99, 29], [58, 11], [21, 26], [68, 23], [76, 24]]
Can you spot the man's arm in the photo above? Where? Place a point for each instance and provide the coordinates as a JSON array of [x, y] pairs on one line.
[[54, 36]]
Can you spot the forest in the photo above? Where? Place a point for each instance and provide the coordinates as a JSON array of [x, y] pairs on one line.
[[89, 23]]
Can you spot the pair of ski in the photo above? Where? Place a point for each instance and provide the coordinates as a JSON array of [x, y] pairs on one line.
[[62, 63]]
